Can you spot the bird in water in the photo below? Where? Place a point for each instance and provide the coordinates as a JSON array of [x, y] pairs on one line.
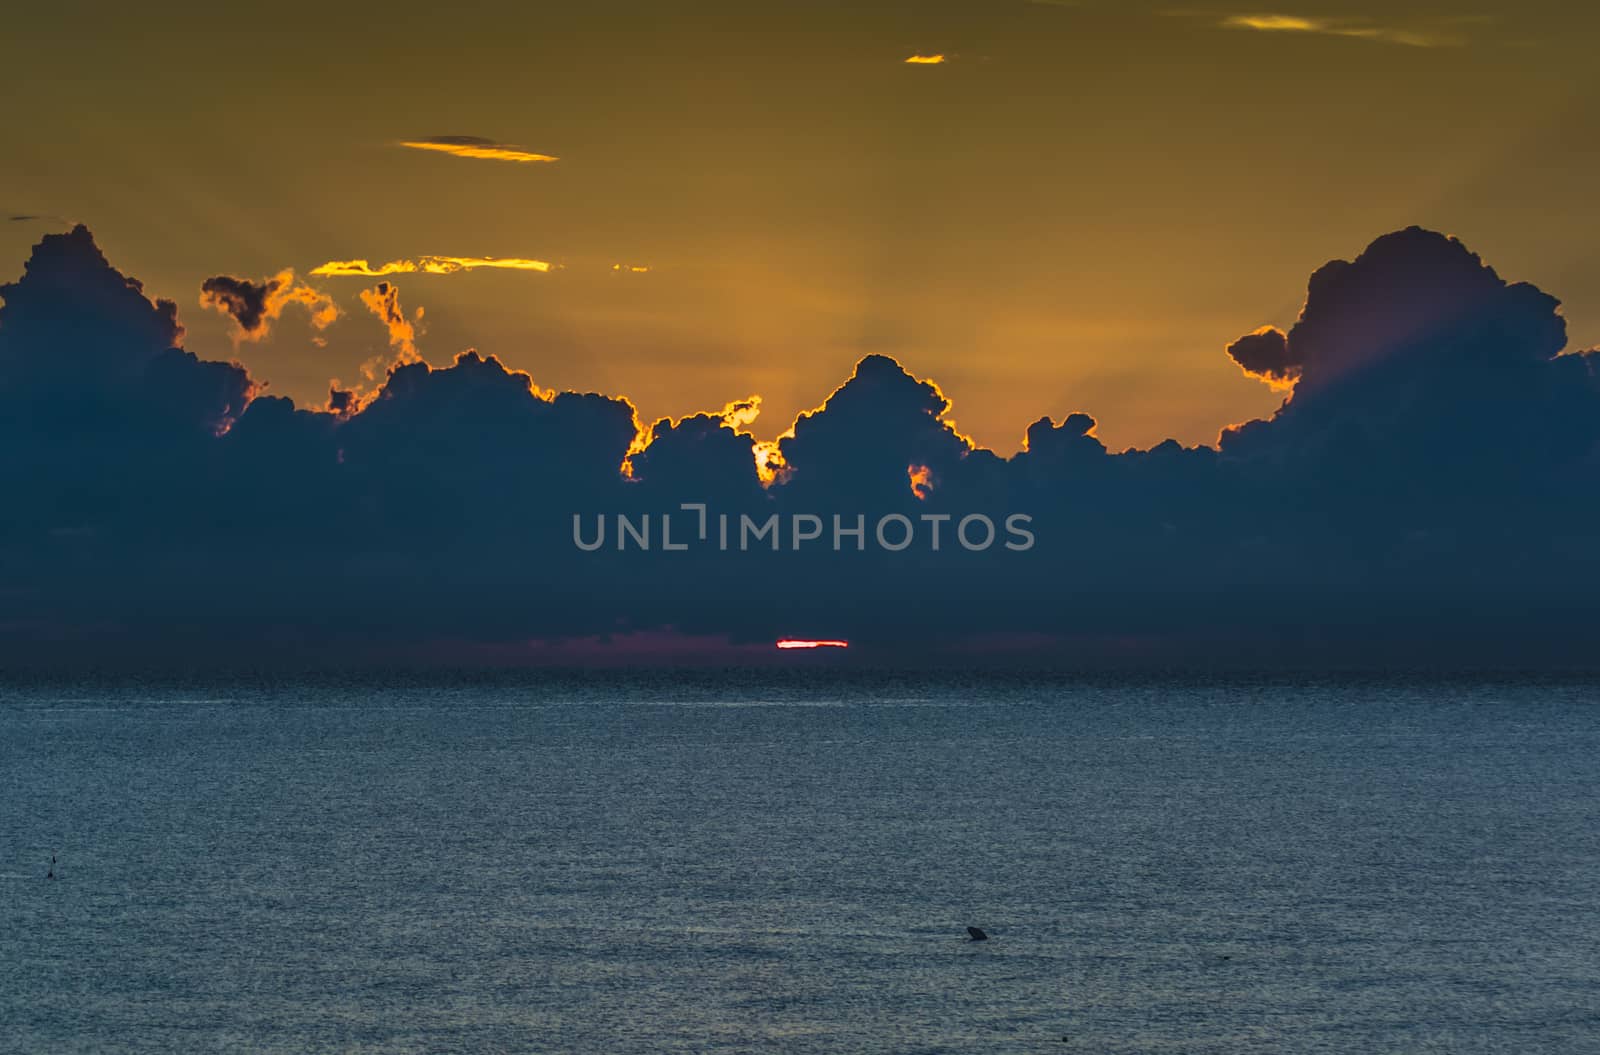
[[977, 934], [52, 873]]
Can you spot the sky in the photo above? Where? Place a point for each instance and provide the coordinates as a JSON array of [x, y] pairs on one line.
[[1077, 209]]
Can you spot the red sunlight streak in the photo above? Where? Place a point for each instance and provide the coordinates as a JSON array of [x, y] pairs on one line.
[[793, 643]]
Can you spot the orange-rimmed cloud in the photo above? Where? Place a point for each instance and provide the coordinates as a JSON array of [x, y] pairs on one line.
[[921, 478], [430, 265], [1265, 355], [476, 147], [383, 300], [255, 306], [926, 60], [918, 401], [736, 416]]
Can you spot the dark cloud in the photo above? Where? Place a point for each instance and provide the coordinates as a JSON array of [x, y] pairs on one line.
[[246, 301], [341, 401], [254, 306], [1410, 295], [71, 309], [1429, 488], [703, 454], [1418, 293], [869, 434], [1265, 354], [1069, 441], [1421, 351], [109, 432]]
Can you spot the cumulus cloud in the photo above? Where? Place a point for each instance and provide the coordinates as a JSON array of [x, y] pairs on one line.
[[861, 439], [72, 306], [1264, 354], [103, 414], [476, 147], [255, 306], [488, 434], [702, 454], [1072, 438], [1413, 293], [1426, 377]]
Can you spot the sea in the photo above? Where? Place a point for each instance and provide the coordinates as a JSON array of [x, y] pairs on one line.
[[788, 861]]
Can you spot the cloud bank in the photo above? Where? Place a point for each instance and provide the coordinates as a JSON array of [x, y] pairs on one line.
[[1429, 491]]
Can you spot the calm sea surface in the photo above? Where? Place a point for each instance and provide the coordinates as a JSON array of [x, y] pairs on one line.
[[764, 863]]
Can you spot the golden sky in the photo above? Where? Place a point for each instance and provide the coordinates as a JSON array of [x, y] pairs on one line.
[[1077, 208]]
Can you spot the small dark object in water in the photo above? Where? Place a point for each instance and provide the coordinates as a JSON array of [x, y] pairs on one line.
[[977, 934], [52, 873]]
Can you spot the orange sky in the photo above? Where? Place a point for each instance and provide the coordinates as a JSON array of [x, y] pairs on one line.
[[1076, 210]]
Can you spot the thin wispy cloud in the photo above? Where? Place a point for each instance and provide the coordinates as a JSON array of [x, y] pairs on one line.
[[1360, 29], [475, 147], [925, 60], [430, 265]]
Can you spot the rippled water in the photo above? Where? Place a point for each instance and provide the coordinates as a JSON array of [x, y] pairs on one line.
[[749, 863]]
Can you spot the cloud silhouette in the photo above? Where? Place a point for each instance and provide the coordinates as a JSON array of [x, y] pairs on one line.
[[1416, 345], [1429, 490], [1070, 441], [704, 455], [860, 442], [1264, 354], [1420, 294]]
